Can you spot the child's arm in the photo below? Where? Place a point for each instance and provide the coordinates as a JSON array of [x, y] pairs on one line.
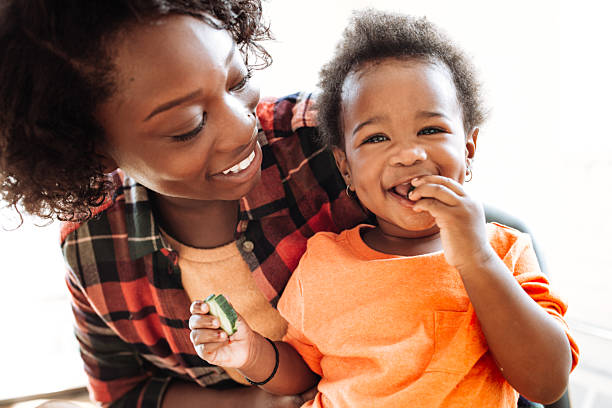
[[529, 346], [250, 353]]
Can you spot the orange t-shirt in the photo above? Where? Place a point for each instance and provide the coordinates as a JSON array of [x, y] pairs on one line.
[[393, 331]]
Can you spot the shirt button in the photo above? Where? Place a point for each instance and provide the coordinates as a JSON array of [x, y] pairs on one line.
[[248, 246]]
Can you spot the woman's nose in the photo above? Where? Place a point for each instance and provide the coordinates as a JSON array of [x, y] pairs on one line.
[[237, 126], [408, 154]]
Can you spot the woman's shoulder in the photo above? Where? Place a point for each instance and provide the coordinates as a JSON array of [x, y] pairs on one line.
[[298, 167], [283, 116], [121, 229], [68, 228], [289, 128]]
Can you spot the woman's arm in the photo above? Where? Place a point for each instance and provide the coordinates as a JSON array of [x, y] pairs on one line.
[[118, 378], [249, 352], [183, 394], [292, 376], [116, 374]]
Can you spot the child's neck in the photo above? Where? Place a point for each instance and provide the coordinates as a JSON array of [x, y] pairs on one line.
[[426, 243]]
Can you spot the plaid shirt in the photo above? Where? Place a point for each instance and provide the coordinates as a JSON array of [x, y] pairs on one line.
[[130, 307]]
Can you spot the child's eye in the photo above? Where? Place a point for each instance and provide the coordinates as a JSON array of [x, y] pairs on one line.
[[243, 82], [430, 131], [192, 133], [376, 139]]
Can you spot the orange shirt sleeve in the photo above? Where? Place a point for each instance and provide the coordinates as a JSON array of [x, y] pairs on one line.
[[309, 352], [522, 261]]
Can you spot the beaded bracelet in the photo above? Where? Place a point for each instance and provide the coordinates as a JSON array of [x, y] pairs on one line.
[[273, 371]]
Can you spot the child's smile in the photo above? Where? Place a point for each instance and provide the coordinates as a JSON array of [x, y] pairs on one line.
[[401, 121]]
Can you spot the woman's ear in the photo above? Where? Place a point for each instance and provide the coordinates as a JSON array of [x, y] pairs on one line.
[[342, 164], [470, 143]]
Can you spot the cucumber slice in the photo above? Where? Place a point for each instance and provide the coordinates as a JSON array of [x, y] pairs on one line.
[[410, 190], [221, 309]]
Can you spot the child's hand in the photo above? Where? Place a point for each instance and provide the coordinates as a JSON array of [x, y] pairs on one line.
[[460, 218], [212, 343]]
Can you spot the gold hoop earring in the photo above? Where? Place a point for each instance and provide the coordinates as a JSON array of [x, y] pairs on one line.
[[468, 174]]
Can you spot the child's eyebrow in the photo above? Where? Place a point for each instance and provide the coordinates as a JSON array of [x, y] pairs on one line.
[[366, 122], [431, 114]]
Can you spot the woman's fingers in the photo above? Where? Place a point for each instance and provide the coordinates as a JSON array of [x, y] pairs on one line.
[[207, 336], [199, 307], [197, 321], [206, 349]]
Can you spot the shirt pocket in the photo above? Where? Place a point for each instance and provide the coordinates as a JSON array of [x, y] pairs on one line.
[[458, 342]]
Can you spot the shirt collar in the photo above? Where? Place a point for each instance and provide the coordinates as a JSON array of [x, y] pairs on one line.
[[143, 232]]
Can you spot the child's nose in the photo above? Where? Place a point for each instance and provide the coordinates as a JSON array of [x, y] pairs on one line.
[[408, 154]]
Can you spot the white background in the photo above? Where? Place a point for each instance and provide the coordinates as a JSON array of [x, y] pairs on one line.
[[543, 155]]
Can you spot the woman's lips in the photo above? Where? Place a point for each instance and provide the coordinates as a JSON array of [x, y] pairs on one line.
[[243, 165], [246, 162], [244, 169]]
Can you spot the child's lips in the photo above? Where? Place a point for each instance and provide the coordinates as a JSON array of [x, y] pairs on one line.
[[401, 192], [403, 189]]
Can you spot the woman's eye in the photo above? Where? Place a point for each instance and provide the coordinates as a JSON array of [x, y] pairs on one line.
[[244, 81], [376, 139], [192, 133], [430, 131]]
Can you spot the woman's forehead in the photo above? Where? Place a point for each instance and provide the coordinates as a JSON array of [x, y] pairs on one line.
[[166, 58], [169, 40]]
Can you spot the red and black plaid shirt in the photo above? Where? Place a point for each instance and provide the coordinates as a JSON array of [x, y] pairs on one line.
[[130, 307]]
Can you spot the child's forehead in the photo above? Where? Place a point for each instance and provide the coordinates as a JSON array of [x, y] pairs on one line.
[[369, 68], [384, 76]]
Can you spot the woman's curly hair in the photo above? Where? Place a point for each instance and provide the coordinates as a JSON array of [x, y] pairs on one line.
[[374, 36], [56, 68]]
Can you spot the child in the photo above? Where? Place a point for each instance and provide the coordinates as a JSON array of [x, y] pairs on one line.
[[431, 307]]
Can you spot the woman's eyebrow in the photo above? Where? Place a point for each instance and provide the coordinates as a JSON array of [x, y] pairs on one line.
[[171, 104], [182, 99]]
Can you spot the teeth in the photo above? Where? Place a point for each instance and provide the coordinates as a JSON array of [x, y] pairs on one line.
[[242, 165]]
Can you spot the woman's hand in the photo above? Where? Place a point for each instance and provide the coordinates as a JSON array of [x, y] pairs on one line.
[[460, 218], [212, 343], [252, 354]]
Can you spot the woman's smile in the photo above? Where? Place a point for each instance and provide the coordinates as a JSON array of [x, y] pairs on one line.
[[240, 166], [243, 170], [243, 164]]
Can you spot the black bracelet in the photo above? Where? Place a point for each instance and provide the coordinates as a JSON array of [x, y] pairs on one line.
[[273, 371]]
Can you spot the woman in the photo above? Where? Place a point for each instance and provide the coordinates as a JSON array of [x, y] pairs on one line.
[[216, 193], [162, 91]]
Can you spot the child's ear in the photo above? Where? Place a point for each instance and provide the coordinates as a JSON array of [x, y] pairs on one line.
[[470, 143], [342, 164]]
